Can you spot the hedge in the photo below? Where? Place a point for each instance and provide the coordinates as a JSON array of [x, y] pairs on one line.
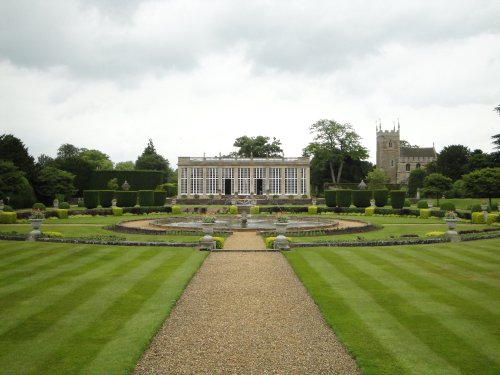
[[62, 213], [117, 211], [64, 205], [369, 211], [126, 198], [312, 210], [138, 180], [330, 198], [397, 198], [422, 204], [447, 206], [176, 210], [380, 197], [170, 189], [361, 198], [344, 198], [91, 198], [425, 213], [8, 217], [492, 218], [478, 218], [255, 210], [159, 197], [146, 198], [105, 197], [233, 210]]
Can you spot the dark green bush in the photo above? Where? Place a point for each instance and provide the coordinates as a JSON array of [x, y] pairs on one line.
[[91, 198], [447, 206], [146, 198], [380, 197], [159, 198], [330, 198], [407, 203], [39, 206], [422, 204], [126, 198], [344, 198], [138, 180], [105, 197], [361, 198], [397, 198], [24, 197], [7, 208], [477, 208], [64, 205]]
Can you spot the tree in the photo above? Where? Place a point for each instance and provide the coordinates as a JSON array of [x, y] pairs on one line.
[[11, 178], [66, 151], [497, 108], [151, 160], [483, 183], [437, 184], [53, 181], [97, 158], [125, 166], [416, 181], [334, 143], [80, 168], [44, 161], [496, 141], [258, 147], [478, 160], [453, 161], [377, 179], [406, 144], [13, 149]]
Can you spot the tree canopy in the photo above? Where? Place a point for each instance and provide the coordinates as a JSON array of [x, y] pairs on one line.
[[125, 166], [415, 181], [13, 149], [258, 147], [11, 178], [483, 183], [437, 184], [53, 181], [377, 179], [151, 160], [453, 160]]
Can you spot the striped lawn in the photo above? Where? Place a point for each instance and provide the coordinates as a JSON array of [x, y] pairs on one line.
[[67, 309], [410, 309]]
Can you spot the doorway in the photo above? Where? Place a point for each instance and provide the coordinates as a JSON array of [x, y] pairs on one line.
[[227, 186]]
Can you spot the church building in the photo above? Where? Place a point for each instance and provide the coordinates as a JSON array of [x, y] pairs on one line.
[[397, 161]]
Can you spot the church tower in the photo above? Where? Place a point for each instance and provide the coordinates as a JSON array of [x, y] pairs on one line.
[[388, 151]]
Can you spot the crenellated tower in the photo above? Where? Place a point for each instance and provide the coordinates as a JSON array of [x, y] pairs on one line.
[[388, 151]]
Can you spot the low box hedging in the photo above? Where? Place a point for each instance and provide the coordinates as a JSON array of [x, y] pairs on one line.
[[369, 211], [219, 242], [477, 218], [425, 213], [105, 197], [117, 211], [330, 198], [397, 198], [361, 198], [146, 198], [126, 198], [312, 210], [62, 213], [176, 210], [91, 198], [344, 198], [492, 218], [8, 217], [381, 197], [159, 197]]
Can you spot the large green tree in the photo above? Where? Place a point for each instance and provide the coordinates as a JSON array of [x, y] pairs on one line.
[[258, 147], [97, 158], [453, 161], [53, 181], [151, 160], [334, 143], [416, 181], [483, 183], [377, 179], [125, 166], [436, 184], [13, 149], [11, 178]]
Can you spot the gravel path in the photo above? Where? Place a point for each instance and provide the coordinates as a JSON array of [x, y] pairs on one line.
[[244, 241], [245, 313]]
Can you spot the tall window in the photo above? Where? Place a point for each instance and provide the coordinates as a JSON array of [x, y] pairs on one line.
[[211, 181], [227, 181], [407, 167], [196, 181], [291, 181], [418, 166], [275, 181], [244, 181], [184, 181], [259, 180], [303, 181]]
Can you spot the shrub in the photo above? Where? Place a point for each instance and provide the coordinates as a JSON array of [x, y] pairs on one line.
[[407, 203], [380, 197], [62, 213], [219, 242], [344, 198], [477, 218], [8, 217], [312, 210], [425, 213], [422, 204], [170, 189], [39, 206], [330, 198], [492, 218], [117, 211], [137, 179], [146, 198], [126, 198], [8, 208], [159, 198], [369, 211], [397, 198], [64, 205], [24, 196], [233, 210], [435, 234], [361, 198], [447, 206], [176, 210], [51, 234], [81, 202], [105, 197], [255, 210], [91, 198]]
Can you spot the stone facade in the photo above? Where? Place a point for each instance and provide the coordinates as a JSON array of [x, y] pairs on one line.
[[397, 161], [206, 177]]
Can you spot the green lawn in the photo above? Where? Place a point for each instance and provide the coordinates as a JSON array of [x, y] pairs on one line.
[[67, 309], [410, 309]]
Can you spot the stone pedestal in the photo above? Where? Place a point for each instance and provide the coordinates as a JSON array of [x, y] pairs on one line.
[[207, 243], [281, 243], [453, 236]]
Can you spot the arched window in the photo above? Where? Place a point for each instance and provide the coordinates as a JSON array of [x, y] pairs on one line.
[[392, 163], [408, 167], [390, 144], [418, 165]]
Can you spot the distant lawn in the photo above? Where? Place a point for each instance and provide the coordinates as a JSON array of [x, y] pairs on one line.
[[410, 309], [67, 309]]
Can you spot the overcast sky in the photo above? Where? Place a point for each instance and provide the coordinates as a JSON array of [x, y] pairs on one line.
[[193, 75]]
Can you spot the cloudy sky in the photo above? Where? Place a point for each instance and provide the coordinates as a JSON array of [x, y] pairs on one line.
[[193, 75]]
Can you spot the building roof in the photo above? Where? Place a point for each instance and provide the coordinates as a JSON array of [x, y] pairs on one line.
[[228, 161], [420, 152]]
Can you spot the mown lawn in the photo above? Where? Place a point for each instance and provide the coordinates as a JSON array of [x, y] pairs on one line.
[[67, 309], [410, 309]]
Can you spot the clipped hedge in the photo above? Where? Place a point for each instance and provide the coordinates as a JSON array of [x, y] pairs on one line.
[[62, 213], [425, 213], [422, 204], [312, 210], [361, 198], [176, 210], [159, 198], [447, 206], [344, 198], [330, 198], [138, 180], [255, 210], [91, 198], [64, 205], [105, 197], [492, 218], [117, 211], [381, 197], [477, 218], [39, 206], [146, 198], [8, 217], [397, 198], [126, 198], [369, 211], [233, 210], [269, 241], [219, 242]]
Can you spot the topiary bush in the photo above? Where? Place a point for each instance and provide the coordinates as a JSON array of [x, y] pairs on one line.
[[159, 198], [39, 206], [62, 213], [8, 217], [117, 211], [255, 210], [369, 211], [52, 234], [492, 218], [477, 218], [146, 198], [422, 204], [64, 205], [381, 197], [361, 198], [344, 198], [8, 208], [447, 206], [176, 210], [312, 210], [397, 198], [425, 213], [233, 210], [126, 198], [91, 198], [407, 203], [330, 198], [219, 242], [105, 197]]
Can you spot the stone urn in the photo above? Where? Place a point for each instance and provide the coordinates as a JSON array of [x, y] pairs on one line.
[[451, 222], [36, 224], [208, 228], [484, 207], [281, 228], [372, 203]]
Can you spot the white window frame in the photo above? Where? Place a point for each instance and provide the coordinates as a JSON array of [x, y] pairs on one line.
[[259, 173], [244, 181], [211, 181], [196, 186], [275, 181], [290, 181], [184, 181], [303, 181]]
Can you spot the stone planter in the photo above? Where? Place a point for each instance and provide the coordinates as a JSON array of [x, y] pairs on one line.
[[36, 223], [281, 228], [452, 223], [208, 228]]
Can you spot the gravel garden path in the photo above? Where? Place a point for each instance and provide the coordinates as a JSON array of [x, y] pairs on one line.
[[244, 241], [245, 313]]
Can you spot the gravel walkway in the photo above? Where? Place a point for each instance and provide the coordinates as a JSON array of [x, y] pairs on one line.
[[244, 241], [245, 313]]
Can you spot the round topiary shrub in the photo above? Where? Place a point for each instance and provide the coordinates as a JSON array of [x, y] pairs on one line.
[[380, 197], [447, 206], [39, 206], [64, 205], [344, 198], [8, 208], [330, 198], [422, 204], [90, 198], [407, 203]]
